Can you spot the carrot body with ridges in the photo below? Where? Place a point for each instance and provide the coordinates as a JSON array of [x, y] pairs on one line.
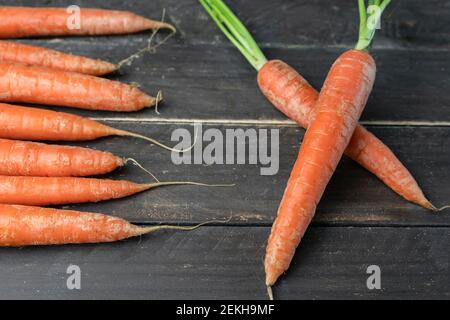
[[30, 226], [19, 22], [13, 52], [290, 93], [339, 106], [19, 158], [21, 83], [46, 191], [25, 123]]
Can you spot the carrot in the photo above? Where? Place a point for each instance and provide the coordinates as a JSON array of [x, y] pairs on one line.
[[25, 123], [290, 93], [13, 52], [19, 158], [21, 83], [339, 106], [30, 226], [19, 22], [46, 191]]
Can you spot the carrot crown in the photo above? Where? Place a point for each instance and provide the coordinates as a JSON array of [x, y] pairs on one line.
[[235, 31], [369, 19]]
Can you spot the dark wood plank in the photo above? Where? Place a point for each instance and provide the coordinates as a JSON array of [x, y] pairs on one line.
[[204, 77], [407, 23], [354, 196], [226, 263], [202, 82]]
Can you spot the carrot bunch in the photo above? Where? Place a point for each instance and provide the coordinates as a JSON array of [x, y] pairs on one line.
[[331, 119], [37, 174]]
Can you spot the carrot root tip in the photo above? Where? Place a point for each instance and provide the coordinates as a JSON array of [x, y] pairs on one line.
[[270, 292], [428, 205], [159, 97], [165, 25], [442, 208]]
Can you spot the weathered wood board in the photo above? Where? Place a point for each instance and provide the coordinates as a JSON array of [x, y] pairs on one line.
[[226, 263], [359, 222]]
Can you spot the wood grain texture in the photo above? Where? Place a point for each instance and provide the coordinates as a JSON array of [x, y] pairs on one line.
[[360, 222], [226, 263], [204, 77], [205, 82], [354, 196], [407, 23]]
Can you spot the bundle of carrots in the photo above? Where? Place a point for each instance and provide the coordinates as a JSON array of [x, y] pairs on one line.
[[37, 174], [331, 119]]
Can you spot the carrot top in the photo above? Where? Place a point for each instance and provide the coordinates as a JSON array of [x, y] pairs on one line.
[[238, 34], [235, 31], [369, 19]]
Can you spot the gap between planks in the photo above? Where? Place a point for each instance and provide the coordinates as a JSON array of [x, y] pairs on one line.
[[375, 225], [119, 42], [229, 122], [318, 224]]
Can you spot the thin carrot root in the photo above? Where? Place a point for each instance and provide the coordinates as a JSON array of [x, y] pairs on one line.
[[137, 164], [147, 230], [124, 133], [150, 48], [174, 183], [159, 97], [270, 292], [442, 208], [170, 183]]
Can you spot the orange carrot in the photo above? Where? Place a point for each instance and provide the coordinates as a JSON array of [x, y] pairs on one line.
[[30, 226], [19, 158], [25, 123], [13, 52], [295, 97], [46, 191], [339, 106], [19, 22], [290, 93], [21, 83]]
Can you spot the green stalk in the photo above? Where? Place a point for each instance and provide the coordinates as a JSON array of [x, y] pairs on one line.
[[235, 31], [367, 32]]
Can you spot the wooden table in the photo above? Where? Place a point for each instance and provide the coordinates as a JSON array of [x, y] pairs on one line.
[[360, 222]]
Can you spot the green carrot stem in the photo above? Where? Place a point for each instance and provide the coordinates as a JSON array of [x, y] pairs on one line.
[[235, 31], [369, 18]]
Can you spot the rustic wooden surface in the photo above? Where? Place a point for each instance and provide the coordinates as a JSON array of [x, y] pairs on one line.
[[360, 222]]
